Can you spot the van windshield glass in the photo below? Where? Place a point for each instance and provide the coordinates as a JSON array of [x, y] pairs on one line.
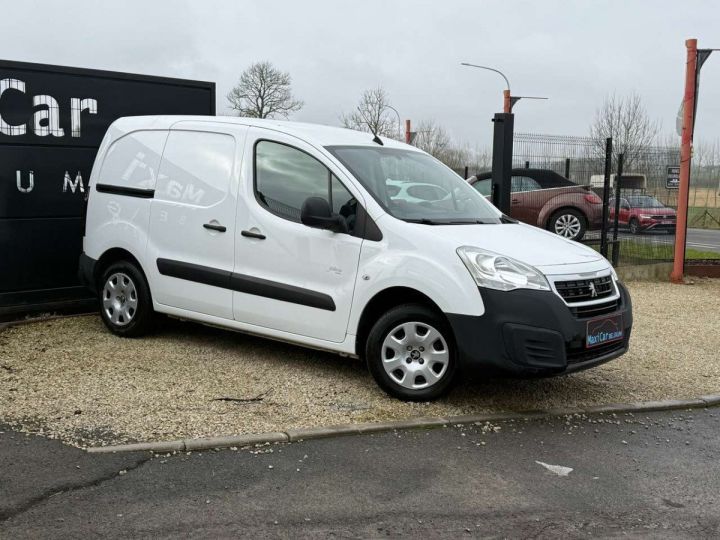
[[415, 187]]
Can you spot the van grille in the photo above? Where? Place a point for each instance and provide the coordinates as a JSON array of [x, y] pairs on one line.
[[585, 289], [595, 310], [577, 354]]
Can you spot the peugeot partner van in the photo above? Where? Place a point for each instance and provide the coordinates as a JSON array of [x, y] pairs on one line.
[[341, 241]]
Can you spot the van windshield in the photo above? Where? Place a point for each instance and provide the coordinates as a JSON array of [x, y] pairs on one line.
[[415, 187]]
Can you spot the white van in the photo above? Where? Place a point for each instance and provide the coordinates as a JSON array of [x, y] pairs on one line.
[[300, 233]]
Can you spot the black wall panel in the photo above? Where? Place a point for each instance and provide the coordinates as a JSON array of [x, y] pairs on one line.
[[52, 120]]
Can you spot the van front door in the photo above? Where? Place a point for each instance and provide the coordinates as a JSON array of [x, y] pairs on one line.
[[192, 221], [290, 277]]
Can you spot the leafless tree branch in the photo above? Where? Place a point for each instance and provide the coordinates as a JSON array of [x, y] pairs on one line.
[[263, 92], [625, 119], [373, 115]]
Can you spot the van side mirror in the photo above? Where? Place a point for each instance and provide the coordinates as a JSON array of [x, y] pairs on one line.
[[316, 213]]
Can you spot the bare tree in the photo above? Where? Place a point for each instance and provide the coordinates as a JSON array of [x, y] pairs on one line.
[[432, 138], [627, 122], [373, 114], [263, 92]]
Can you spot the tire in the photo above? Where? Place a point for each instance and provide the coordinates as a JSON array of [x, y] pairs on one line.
[[568, 223], [125, 301], [409, 374], [634, 226]]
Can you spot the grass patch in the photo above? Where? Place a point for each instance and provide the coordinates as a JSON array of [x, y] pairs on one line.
[[642, 252], [700, 217]]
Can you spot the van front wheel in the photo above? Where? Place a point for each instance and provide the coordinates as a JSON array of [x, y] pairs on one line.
[[125, 301], [411, 354]]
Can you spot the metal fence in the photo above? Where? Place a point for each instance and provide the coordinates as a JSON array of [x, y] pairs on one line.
[[646, 203]]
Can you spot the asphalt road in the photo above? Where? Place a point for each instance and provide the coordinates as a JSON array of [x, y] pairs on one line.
[[700, 239], [653, 475], [704, 239]]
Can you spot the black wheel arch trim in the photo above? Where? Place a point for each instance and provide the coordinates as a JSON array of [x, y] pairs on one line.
[[245, 284]]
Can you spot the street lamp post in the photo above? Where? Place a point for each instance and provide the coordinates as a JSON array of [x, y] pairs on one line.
[[507, 100], [393, 109]]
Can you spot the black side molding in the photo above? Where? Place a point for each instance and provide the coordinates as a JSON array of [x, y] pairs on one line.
[[194, 272], [245, 284], [281, 291], [126, 191]]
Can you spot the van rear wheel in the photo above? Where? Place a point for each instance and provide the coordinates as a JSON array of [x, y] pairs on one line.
[[411, 353], [125, 301]]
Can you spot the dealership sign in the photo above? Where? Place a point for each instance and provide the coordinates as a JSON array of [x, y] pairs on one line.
[[52, 120], [673, 178]]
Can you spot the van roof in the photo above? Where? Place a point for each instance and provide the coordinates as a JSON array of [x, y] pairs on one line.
[[319, 134]]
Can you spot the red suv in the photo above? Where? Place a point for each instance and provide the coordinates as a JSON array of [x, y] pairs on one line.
[[642, 213], [549, 200]]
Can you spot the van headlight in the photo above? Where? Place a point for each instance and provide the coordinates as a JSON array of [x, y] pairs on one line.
[[496, 271]]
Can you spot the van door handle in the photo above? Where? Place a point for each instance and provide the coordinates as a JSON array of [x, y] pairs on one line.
[[253, 234], [515, 201], [215, 227]]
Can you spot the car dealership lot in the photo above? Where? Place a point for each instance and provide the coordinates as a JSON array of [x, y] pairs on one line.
[[70, 378]]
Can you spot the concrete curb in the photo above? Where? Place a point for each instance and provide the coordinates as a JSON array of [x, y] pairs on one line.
[[300, 434]]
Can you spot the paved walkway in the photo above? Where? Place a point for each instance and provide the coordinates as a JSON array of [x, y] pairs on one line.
[[655, 474]]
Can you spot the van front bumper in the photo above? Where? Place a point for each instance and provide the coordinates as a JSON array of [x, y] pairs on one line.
[[534, 333]]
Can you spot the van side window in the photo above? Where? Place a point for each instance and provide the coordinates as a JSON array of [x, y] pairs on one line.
[[196, 168], [285, 177], [133, 160]]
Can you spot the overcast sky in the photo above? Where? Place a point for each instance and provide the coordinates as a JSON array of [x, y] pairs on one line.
[[571, 52]]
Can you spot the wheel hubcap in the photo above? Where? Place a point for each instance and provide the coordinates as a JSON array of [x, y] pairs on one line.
[[415, 355], [119, 299], [567, 225]]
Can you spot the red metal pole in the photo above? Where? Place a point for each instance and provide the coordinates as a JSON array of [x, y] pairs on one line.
[[407, 131], [685, 155], [506, 101]]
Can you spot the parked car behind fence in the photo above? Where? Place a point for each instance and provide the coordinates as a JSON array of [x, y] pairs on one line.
[[548, 200]]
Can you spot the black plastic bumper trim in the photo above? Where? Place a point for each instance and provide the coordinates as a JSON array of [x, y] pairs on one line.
[[86, 272], [532, 333]]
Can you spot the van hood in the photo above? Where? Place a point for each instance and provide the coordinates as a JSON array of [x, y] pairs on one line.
[[521, 242]]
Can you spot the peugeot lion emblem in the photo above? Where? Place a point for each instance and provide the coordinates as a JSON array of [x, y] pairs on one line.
[[593, 291]]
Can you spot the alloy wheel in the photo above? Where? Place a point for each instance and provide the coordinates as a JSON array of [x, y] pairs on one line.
[[568, 226]]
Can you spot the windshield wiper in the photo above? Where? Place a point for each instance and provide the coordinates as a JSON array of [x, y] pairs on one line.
[[470, 221], [425, 221]]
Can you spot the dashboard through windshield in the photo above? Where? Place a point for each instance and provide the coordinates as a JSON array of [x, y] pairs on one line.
[[415, 187]]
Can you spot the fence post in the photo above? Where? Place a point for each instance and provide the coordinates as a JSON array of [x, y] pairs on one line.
[[606, 198], [618, 183], [567, 168], [527, 164], [685, 154], [502, 160], [466, 172]]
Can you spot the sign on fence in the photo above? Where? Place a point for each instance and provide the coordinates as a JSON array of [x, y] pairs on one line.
[[52, 120], [673, 178]]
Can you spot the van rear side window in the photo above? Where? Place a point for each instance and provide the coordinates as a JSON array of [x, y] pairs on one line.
[[133, 161], [196, 168]]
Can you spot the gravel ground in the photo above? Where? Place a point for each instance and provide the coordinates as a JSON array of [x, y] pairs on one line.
[[71, 379]]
